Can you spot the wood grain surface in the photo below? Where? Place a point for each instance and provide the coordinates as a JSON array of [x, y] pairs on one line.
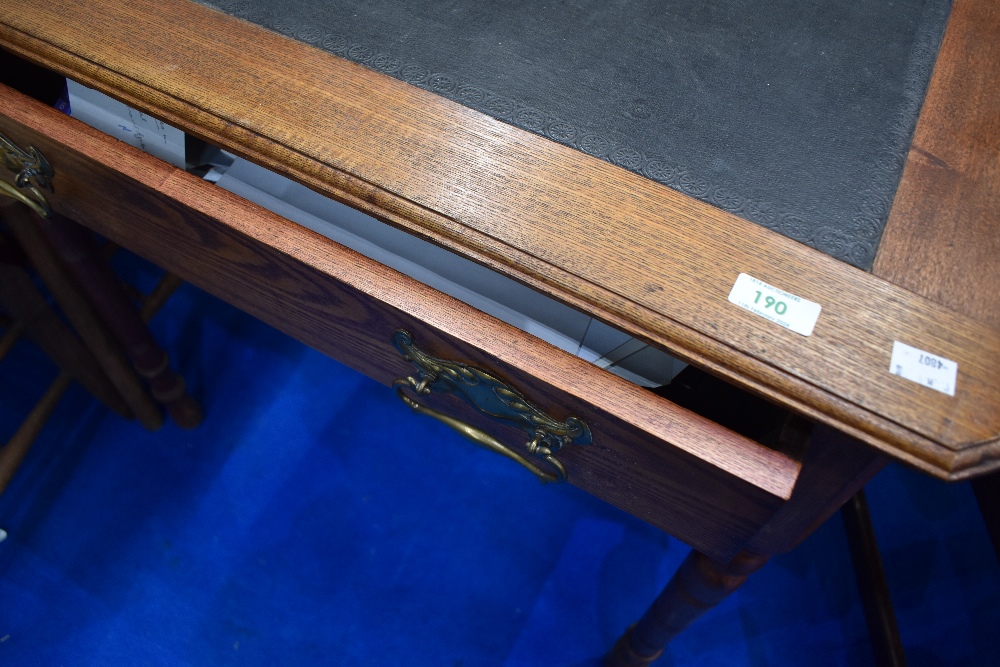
[[637, 255], [681, 472], [943, 236]]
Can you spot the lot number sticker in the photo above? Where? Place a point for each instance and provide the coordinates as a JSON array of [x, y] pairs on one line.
[[923, 368], [778, 306]]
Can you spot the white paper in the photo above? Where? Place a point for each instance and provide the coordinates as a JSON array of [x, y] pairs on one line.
[[924, 368], [127, 124], [476, 285], [775, 305]]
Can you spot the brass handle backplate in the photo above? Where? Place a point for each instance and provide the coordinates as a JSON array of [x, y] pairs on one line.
[[492, 397], [32, 174]]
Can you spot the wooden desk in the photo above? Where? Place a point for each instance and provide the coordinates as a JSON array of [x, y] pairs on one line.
[[569, 226]]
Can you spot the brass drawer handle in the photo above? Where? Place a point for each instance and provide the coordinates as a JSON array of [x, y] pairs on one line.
[[492, 397], [31, 172], [39, 204]]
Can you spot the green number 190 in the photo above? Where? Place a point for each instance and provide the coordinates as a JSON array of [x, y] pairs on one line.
[[770, 302]]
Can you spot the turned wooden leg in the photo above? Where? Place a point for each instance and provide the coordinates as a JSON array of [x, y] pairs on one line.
[[887, 646], [77, 248], [12, 453], [77, 251], [82, 315], [39, 322], [834, 468], [699, 584]]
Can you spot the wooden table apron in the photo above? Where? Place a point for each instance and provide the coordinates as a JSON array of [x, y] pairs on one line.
[[677, 470], [631, 252]]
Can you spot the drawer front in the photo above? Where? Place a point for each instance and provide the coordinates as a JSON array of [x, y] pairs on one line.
[[668, 466]]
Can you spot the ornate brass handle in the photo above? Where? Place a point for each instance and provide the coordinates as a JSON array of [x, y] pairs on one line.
[[32, 173], [492, 397], [38, 204]]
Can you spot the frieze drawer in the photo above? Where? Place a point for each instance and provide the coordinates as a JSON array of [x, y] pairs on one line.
[[683, 473]]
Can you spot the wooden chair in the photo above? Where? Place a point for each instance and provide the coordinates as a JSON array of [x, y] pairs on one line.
[[111, 350]]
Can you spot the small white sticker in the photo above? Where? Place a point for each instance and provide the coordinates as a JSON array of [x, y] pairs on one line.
[[775, 305], [923, 368]]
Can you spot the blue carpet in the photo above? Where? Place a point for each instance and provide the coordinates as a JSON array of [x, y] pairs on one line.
[[313, 520]]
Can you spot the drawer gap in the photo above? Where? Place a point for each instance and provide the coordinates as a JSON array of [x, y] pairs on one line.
[[478, 286]]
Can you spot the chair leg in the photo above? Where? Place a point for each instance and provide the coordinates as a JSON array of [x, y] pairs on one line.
[[77, 307], [83, 258], [879, 615], [39, 322], [94, 326], [12, 453], [699, 584]]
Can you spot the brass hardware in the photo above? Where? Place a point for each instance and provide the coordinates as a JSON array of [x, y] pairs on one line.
[[40, 207], [492, 397], [32, 174]]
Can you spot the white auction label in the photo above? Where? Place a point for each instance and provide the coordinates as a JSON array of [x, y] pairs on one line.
[[778, 306], [924, 368]]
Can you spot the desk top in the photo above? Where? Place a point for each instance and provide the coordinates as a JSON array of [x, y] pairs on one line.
[[793, 114], [652, 261]]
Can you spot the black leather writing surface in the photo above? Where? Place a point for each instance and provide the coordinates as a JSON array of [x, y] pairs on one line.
[[794, 114]]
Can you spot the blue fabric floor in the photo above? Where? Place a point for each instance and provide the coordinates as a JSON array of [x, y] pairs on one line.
[[313, 520]]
